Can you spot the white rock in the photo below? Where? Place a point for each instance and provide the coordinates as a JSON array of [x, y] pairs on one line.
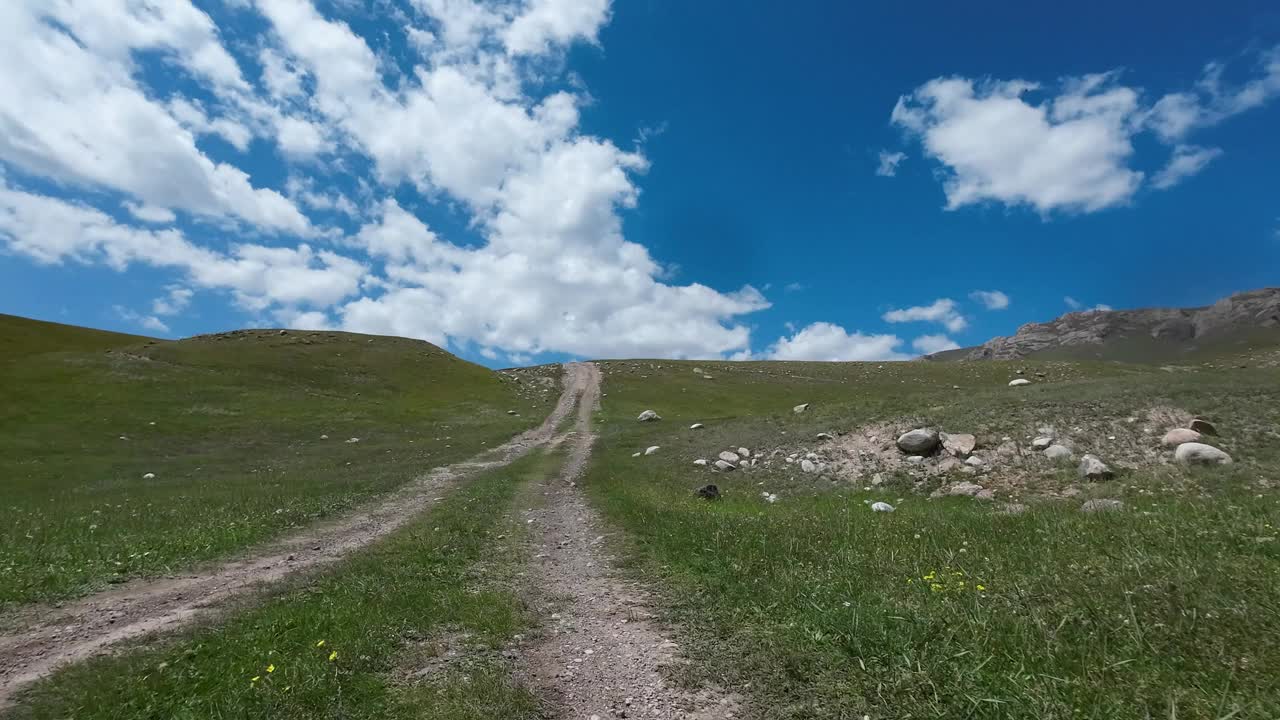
[[149, 476], [648, 416], [651, 449], [1194, 453], [800, 408], [744, 452], [1058, 453], [635, 454], [769, 497], [915, 459], [1019, 382], [724, 465], [696, 426], [324, 437], [1178, 436], [700, 461], [353, 440], [881, 507], [808, 466], [974, 461], [824, 436], [1042, 442], [729, 456]]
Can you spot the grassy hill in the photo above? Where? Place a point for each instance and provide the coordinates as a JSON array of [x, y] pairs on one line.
[[232, 426]]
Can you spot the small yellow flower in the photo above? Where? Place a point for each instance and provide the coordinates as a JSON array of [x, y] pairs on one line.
[[982, 588], [320, 644], [935, 587], [333, 656], [271, 668], [255, 679]]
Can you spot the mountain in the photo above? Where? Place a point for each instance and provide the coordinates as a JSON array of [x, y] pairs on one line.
[[1244, 321]]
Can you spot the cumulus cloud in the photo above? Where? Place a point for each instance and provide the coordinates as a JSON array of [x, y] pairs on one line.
[[174, 301], [829, 342], [943, 311], [889, 162], [1067, 147], [990, 299], [147, 322], [929, 344]]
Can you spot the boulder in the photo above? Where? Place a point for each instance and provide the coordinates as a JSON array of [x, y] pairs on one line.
[[649, 416], [1178, 436], [800, 408], [1058, 453], [881, 507], [651, 449], [1202, 426], [808, 466], [724, 465], [1194, 453], [1102, 505], [729, 456], [700, 462], [1019, 382], [959, 444], [921, 441], [1092, 468], [709, 492]]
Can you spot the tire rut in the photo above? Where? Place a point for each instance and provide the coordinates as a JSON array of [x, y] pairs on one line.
[[39, 640], [602, 654]]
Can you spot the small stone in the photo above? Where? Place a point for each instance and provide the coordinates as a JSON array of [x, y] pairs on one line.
[[915, 459], [1102, 505], [769, 497], [881, 507], [1194, 453], [959, 444], [636, 454], [700, 461], [724, 465], [324, 437], [1202, 426], [974, 461], [986, 495], [921, 441], [729, 456], [709, 492], [744, 452], [1092, 468], [824, 436], [807, 466], [651, 449], [648, 416], [696, 426], [512, 412], [149, 476], [1058, 453], [1042, 443], [800, 408], [1019, 382], [949, 465], [1178, 436]]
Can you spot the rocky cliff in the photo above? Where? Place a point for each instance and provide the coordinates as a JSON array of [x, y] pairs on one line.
[[1155, 333]]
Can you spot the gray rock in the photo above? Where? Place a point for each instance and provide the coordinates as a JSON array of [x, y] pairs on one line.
[[986, 495], [1042, 442], [729, 456], [824, 436], [1178, 436], [808, 466], [881, 507], [800, 408], [963, 489], [1092, 468], [974, 461], [1203, 426], [1194, 453], [744, 452], [1019, 382], [959, 444], [696, 426], [709, 492], [1102, 505], [651, 449], [915, 459], [1058, 453], [700, 461], [649, 416], [949, 465], [921, 441], [724, 465]]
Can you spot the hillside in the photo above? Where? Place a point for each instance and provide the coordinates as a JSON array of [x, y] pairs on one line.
[[125, 456], [1240, 323]]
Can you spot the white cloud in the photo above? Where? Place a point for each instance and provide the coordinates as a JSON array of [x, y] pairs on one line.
[[1102, 307], [147, 322], [1072, 303], [929, 344], [1187, 160], [1067, 148], [829, 342], [151, 213], [174, 301], [941, 311], [547, 24], [990, 299], [889, 162]]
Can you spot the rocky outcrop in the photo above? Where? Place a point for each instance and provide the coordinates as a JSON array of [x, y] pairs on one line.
[[1101, 333]]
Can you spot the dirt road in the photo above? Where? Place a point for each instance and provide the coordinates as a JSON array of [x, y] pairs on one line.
[[41, 639]]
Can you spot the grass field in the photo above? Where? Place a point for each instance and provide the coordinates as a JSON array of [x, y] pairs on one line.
[[366, 639], [233, 429], [818, 608]]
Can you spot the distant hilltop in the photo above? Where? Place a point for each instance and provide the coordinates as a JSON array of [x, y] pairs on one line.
[[1242, 321]]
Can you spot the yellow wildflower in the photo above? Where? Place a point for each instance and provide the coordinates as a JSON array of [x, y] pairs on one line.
[[982, 588], [320, 644], [255, 679], [271, 668], [333, 656]]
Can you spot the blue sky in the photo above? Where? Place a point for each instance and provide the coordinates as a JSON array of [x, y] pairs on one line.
[[530, 180]]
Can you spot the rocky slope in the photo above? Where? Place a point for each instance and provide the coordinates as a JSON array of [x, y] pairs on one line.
[[1241, 321]]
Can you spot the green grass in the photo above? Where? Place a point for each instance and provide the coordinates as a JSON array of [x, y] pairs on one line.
[[816, 607], [231, 428], [384, 612]]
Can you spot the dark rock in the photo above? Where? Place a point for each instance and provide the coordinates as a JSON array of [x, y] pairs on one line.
[[709, 492]]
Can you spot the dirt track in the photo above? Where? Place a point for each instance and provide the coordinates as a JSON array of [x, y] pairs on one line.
[[602, 654], [41, 639]]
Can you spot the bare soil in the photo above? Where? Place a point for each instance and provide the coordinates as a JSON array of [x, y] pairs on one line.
[[38, 640], [602, 653]]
